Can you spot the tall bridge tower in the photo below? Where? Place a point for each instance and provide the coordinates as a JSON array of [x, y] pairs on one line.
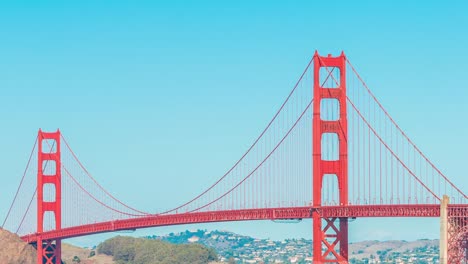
[[330, 233]]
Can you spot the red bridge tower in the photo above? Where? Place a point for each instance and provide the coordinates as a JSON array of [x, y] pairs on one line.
[[330, 233], [49, 173]]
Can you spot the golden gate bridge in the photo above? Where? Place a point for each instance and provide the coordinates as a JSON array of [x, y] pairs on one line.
[[331, 153]]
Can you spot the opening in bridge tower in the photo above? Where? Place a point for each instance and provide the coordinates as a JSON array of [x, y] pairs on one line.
[[49, 203], [330, 235]]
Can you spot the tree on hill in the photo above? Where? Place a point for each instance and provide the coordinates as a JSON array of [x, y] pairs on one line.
[[76, 259]]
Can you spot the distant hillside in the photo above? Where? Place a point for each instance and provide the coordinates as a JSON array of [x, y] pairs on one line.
[[396, 249], [130, 250], [245, 248], [13, 250], [240, 248]]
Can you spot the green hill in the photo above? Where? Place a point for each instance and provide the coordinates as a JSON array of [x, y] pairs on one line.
[[130, 250]]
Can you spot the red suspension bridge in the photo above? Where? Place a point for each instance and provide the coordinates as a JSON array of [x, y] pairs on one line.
[[331, 152]]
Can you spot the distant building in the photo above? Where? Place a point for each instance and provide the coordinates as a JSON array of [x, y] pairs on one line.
[[193, 239]]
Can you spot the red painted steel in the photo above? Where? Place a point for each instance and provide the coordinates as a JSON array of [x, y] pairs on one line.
[[334, 236], [49, 250], [350, 211]]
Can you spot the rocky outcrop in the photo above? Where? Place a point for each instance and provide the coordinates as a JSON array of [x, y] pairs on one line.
[[13, 250]]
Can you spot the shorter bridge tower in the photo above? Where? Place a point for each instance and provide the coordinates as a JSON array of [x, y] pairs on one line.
[[49, 195]]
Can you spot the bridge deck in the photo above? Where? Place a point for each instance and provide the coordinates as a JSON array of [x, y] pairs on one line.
[[249, 215]]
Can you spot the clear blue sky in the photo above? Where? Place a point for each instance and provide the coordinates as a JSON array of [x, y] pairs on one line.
[[158, 99]]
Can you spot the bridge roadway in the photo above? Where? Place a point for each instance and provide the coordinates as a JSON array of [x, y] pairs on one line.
[[283, 213]]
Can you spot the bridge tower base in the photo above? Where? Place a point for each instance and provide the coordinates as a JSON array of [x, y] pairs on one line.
[[457, 234], [49, 176], [49, 252], [330, 235]]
